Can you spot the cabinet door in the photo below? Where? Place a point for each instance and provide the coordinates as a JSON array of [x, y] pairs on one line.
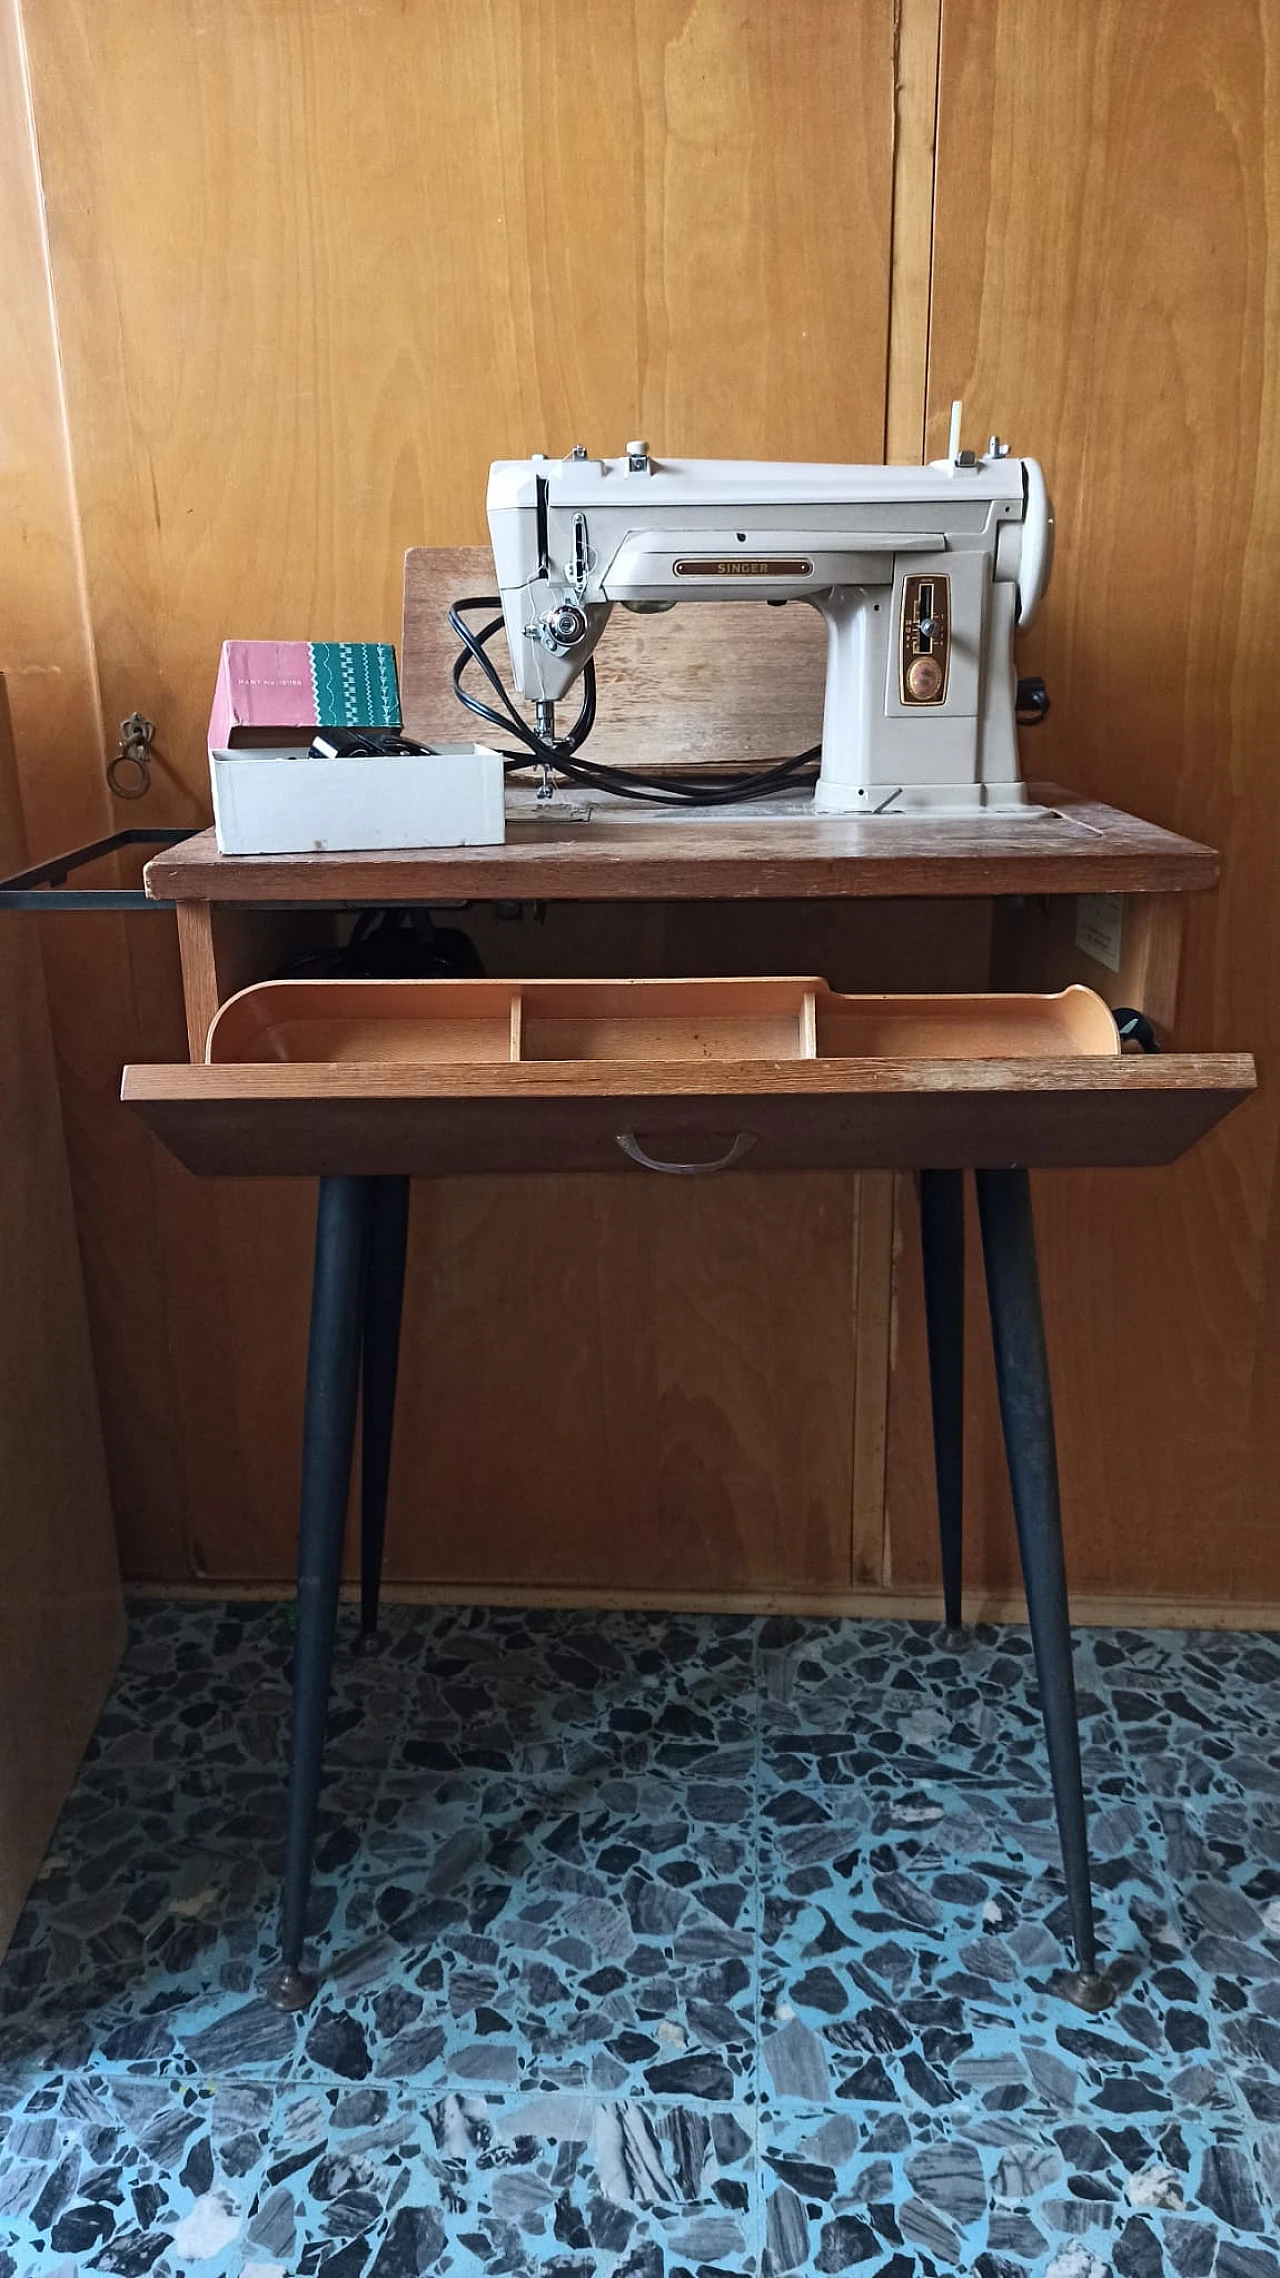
[[61, 1619]]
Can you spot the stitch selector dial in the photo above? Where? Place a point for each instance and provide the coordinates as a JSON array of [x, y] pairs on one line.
[[926, 638], [924, 679]]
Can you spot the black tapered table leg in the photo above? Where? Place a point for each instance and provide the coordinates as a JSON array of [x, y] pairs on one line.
[[1026, 1413], [333, 1376], [942, 1251], [383, 1305]]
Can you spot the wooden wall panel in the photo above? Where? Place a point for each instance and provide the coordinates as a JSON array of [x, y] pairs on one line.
[[282, 355], [45, 651], [705, 1399], [1106, 291], [289, 352], [48, 658], [61, 1621]]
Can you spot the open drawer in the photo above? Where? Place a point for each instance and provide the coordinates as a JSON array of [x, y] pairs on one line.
[[687, 1077]]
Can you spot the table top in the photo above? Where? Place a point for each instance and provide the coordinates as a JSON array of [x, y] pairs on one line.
[[607, 850]]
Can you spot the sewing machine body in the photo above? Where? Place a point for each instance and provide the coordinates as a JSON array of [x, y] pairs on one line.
[[922, 574]]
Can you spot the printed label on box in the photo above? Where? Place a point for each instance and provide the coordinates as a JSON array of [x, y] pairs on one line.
[[1099, 926], [268, 685], [354, 684]]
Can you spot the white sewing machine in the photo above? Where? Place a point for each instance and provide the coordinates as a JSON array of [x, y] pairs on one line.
[[923, 575]]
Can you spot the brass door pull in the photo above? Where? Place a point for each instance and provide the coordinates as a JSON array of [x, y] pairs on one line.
[[129, 773]]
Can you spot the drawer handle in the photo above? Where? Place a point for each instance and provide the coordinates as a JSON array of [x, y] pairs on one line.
[[742, 1145]]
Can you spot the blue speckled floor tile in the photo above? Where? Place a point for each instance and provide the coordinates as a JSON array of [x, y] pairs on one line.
[[653, 1947], [908, 1958], [1168, 1690], [564, 1933], [990, 2194], [871, 1705], [237, 2180]]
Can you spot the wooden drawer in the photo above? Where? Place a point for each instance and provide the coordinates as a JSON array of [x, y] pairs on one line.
[[681, 1078]]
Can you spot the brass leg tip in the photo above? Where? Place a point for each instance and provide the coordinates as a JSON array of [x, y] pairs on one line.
[[290, 1988], [1090, 1990]]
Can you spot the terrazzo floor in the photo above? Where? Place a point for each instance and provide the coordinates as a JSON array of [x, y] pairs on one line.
[[654, 1947]]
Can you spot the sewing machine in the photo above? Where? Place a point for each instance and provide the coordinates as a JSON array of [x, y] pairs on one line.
[[923, 575]]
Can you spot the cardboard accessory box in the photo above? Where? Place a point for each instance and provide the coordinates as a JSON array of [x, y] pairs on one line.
[[271, 797]]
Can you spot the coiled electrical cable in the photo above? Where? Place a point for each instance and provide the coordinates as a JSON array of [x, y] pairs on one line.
[[560, 755]]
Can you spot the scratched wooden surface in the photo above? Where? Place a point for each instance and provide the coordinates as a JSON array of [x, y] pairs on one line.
[[267, 1118]]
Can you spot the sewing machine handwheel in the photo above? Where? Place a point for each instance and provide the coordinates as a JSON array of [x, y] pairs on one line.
[[1031, 701], [1136, 1031]]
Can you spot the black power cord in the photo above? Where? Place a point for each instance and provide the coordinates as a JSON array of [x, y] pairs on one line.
[[560, 757], [391, 945]]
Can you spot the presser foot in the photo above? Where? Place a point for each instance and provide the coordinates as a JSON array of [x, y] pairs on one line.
[[1090, 1990], [290, 1988]]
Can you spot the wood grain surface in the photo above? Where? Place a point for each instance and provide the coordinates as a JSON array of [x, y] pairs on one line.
[[630, 248], [268, 1118], [98, 970], [1036, 945], [61, 1618], [701, 1391], [1089, 1608], [722, 685], [288, 355], [915, 93], [656, 1392], [1105, 282], [621, 853], [210, 442]]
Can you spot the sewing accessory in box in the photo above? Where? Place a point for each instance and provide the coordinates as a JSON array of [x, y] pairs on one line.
[[270, 796]]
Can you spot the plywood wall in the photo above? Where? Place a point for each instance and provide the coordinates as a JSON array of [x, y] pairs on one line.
[[95, 967], [61, 1621], [290, 351], [1106, 290], [285, 355], [257, 358]]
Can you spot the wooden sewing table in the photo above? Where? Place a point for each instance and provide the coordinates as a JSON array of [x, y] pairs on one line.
[[736, 891], [238, 917], [366, 1130]]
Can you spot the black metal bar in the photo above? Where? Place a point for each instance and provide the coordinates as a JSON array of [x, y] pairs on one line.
[[51, 901], [40, 887], [1026, 1413], [333, 1376], [383, 1305], [942, 1252]]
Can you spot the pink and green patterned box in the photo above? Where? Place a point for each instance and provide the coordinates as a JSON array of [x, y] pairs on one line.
[[266, 686]]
